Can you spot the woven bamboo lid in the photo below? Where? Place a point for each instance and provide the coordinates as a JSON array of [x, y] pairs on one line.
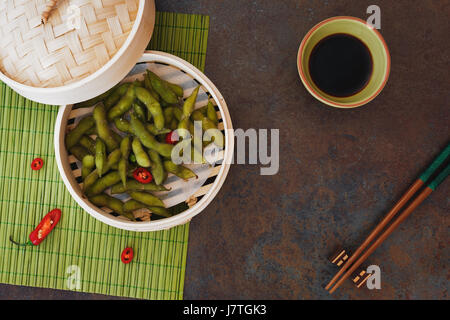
[[79, 37]]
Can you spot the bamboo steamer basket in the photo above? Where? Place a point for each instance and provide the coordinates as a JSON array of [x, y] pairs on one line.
[[84, 49], [197, 193]]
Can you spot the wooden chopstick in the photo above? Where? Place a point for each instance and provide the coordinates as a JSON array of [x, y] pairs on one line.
[[441, 158]]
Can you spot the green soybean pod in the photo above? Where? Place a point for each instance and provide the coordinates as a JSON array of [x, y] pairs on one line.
[[140, 112], [125, 146], [79, 152], [178, 90], [112, 159], [133, 185], [100, 155], [147, 139], [178, 113], [115, 96], [104, 200], [88, 143], [146, 198], [157, 168], [88, 164], [122, 167], [189, 103], [122, 125], [132, 205], [160, 211], [211, 113], [141, 156], [103, 183], [138, 83], [180, 171], [148, 86], [162, 88], [168, 114], [103, 130], [93, 101], [173, 124], [207, 124], [185, 124], [152, 129], [82, 127], [153, 106], [123, 105]]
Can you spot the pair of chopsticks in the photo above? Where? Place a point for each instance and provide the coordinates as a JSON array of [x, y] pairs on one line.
[[354, 262]]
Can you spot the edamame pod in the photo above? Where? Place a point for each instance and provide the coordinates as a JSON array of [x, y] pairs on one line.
[[211, 113], [103, 183], [132, 205], [152, 129], [207, 124], [146, 198], [115, 96], [153, 106], [180, 171], [125, 147], [113, 158], [161, 87], [133, 185], [100, 155], [122, 124], [157, 168], [141, 156], [88, 163], [122, 167], [88, 143], [123, 105], [79, 152], [104, 200], [168, 114], [148, 86], [93, 101], [173, 124], [160, 211], [178, 90], [140, 112], [147, 139], [103, 130], [178, 113], [75, 135], [189, 103]]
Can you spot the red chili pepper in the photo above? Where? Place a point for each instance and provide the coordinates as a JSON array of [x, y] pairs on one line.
[[172, 137], [37, 164], [127, 255], [43, 229], [142, 175]]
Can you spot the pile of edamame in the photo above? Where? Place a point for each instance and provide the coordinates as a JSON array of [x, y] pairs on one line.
[[146, 112]]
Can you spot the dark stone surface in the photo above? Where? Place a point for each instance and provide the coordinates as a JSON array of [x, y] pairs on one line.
[[268, 237]]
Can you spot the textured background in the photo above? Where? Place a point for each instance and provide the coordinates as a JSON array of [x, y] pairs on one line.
[[340, 170]]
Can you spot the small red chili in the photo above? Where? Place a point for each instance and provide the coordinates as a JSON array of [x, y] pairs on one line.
[[172, 137], [37, 164], [142, 175], [127, 255], [42, 230]]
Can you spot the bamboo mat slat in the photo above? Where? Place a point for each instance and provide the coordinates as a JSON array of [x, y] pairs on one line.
[[26, 132]]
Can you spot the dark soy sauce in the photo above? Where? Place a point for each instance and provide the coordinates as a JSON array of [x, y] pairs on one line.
[[340, 65]]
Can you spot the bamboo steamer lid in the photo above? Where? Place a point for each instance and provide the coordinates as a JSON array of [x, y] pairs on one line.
[[79, 37]]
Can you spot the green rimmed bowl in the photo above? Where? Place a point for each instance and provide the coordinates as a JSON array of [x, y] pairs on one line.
[[365, 33]]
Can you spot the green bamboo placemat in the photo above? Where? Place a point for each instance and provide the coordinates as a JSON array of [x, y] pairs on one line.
[[80, 245]]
